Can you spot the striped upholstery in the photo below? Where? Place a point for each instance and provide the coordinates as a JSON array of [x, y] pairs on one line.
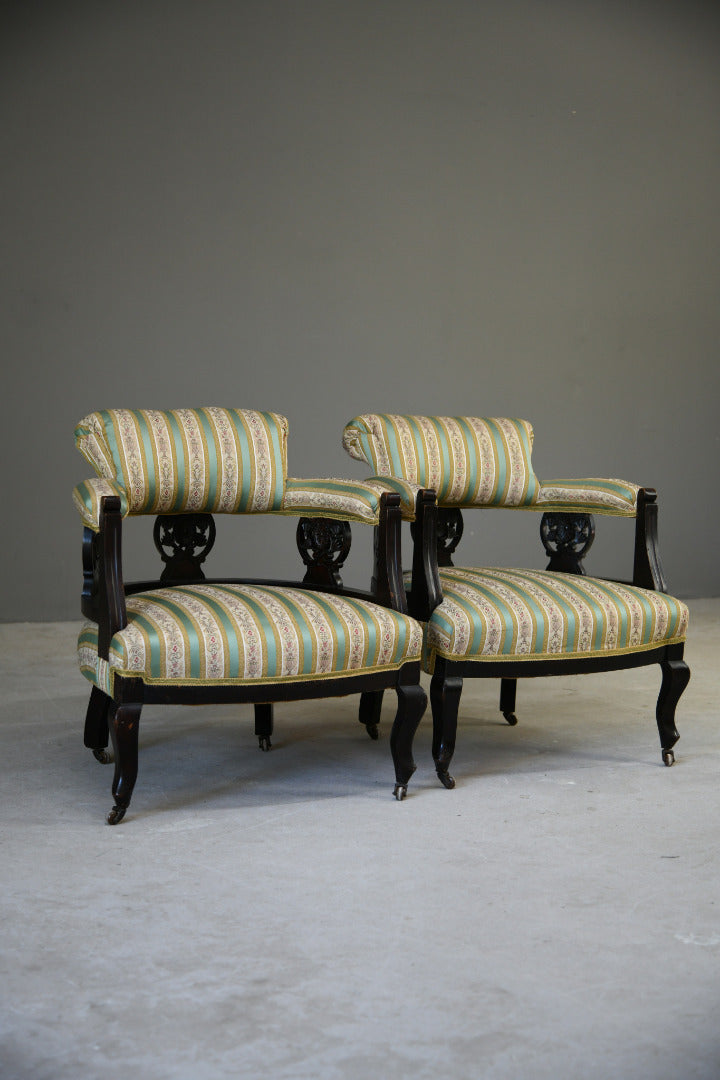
[[498, 614], [211, 634], [349, 500], [88, 495], [209, 460], [468, 461], [617, 497]]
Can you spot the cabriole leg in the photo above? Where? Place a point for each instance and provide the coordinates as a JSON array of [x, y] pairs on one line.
[[445, 691], [124, 724], [412, 701], [264, 724], [96, 726], [370, 708], [675, 677], [508, 688]]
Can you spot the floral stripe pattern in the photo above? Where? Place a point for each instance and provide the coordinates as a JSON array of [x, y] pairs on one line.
[[348, 500], [468, 461], [205, 634], [87, 497], [618, 497], [208, 460], [498, 614]]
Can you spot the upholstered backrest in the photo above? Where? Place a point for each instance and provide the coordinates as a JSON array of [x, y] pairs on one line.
[[467, 460], [207, 460]]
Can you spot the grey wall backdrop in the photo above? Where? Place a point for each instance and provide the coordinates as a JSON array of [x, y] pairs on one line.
[[323, 208]]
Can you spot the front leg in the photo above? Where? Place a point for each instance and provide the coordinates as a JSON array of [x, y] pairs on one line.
[[412, 701], [675, 677], [124, 724], [96, 726], [445, 691]]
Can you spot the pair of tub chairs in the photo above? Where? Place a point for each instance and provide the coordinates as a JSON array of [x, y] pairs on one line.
[[185, 638]]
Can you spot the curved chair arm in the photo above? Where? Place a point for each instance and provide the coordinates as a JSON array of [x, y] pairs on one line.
[[345, 500], [593, 495], [87, 498]]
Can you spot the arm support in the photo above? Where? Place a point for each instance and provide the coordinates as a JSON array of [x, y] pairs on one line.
[[426, 592], [103, 598], [647, 567]]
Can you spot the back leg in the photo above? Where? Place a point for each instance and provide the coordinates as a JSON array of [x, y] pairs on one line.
[[445, 691], [264, 724], [370, 709], [96, 726], [508, 688]]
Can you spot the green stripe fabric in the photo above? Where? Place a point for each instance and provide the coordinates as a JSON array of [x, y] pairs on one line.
[[205, 634], [87, 497], [593, 495], [467, 460], [206, 460], [499, 614], [348, 500]]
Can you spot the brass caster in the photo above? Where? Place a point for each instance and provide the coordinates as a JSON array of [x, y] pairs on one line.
[[372, 730], [668, 757], [511, 718], [400, 792], [105, 757], [264, 743], [446, 779], [116, 815]]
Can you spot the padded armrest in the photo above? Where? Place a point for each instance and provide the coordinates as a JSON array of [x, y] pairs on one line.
[[346, 500], [593, 495], [88, 496]]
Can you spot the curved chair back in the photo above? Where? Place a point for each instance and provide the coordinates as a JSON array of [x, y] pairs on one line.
[[467, 460], [208, 460]]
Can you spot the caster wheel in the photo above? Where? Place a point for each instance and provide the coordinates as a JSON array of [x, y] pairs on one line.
[[105, 757], [511, 718], [372, 730], [264, 743], [446, 780], [668, 757], [400, 792], [116, 815]]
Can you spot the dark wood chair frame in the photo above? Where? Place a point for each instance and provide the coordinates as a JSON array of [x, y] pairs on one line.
[[184, 541], [567, 538]]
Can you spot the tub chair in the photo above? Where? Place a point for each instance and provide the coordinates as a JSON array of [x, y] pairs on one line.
[[188, 639], [489, 622]]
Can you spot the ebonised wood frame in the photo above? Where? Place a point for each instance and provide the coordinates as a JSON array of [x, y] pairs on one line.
[[434, 543], [117, 719]]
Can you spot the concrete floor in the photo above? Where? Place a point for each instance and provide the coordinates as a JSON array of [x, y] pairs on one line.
[[279, 915]]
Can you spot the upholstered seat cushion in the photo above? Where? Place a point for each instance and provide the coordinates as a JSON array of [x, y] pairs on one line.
[[499, 614], [205, 634]]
